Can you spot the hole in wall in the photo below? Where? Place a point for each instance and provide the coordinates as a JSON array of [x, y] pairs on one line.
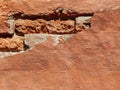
[[31, 29]]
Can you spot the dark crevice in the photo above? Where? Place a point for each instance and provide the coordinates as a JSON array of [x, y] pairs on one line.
[[26, 47], [58, 13], [59, 21], [6, 35], [87, 24]]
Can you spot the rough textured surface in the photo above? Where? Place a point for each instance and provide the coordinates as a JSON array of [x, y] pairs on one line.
[[42, 26], [54, 26], [11, 44], [47, 6], [88, 61]]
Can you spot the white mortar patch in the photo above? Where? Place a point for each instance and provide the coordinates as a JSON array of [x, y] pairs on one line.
[[32, 39]]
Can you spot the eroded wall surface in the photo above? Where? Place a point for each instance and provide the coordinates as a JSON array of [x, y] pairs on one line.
[[89, 60]]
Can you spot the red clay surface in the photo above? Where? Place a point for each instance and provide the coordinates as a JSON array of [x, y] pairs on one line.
[[88, 61], [47, 6]]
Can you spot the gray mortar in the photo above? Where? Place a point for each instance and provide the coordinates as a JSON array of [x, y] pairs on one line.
[[5, 54], [32, 39], [83, 19], [11, 24]]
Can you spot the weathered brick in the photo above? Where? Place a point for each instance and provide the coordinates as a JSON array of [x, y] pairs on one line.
[[11, 44]]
